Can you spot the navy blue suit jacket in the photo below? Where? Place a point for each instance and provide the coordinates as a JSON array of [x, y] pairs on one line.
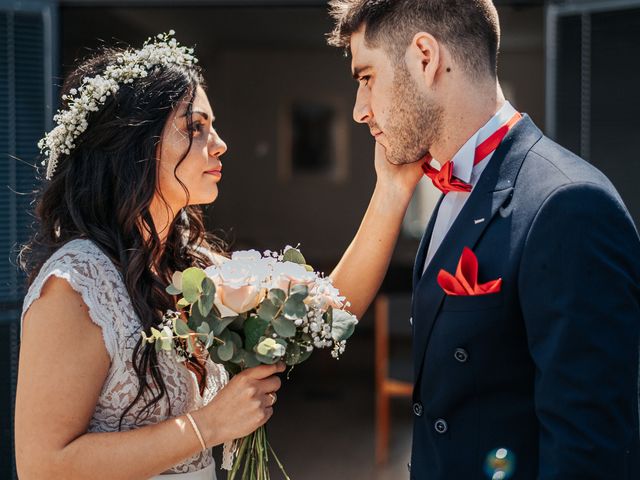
[[548, 367]]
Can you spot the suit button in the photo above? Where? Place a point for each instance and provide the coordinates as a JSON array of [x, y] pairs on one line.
[[461, 355], [417, 409], [409, 467], [411, 321], [441, 426]]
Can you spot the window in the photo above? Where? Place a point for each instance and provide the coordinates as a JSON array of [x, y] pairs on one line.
[[313, 140], [592, 87]]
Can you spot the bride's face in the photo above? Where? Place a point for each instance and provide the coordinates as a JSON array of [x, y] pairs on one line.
[[201, 169]]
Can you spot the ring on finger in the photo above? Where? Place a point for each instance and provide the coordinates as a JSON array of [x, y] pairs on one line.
[[273, 397]]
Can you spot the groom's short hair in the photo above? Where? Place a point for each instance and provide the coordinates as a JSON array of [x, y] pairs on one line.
[[469, 28]]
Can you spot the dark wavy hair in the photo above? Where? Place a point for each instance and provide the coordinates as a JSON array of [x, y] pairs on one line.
[[102, 190], [470, 28]]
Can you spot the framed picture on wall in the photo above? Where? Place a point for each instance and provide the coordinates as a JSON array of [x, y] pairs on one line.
[[313, 140]]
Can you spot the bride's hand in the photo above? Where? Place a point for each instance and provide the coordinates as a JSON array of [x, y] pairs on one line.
[[401, 178], [242, 406]]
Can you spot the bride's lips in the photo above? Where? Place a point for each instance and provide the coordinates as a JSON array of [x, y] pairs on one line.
[[217, 172]]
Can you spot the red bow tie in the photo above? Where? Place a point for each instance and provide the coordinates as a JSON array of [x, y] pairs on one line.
[[444, 180]]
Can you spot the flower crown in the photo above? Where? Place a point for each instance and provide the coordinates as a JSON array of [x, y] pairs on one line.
[[93, 92]]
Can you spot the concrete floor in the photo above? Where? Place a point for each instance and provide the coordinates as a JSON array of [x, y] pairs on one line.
[[323, 427]]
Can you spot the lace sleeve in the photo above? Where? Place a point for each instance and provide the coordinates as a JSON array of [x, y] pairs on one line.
[[85, 270]]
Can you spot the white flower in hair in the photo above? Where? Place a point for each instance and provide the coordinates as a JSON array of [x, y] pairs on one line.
[[94, 91]]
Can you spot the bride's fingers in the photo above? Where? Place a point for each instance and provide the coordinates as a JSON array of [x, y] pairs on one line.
[[269, 400], [268, 412], [271, 384], [264, 371]]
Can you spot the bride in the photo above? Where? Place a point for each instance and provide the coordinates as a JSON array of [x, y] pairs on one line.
[[134, 154]]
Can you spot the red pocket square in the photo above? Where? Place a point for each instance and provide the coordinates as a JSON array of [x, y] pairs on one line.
[[465, 281]]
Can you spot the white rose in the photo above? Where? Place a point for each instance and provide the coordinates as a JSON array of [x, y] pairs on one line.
[[241, 299], [289, 273], [242, 272], [246, 255], [239, 285], [212, 272]]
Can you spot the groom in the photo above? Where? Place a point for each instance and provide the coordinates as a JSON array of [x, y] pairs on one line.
[[526, 300]]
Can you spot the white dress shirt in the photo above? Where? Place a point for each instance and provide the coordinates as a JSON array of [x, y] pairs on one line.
[[463, 168]]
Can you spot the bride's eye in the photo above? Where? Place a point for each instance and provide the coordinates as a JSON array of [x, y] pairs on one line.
[[197, 127]]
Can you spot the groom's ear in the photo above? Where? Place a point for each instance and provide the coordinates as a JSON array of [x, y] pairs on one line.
[[423, 57]]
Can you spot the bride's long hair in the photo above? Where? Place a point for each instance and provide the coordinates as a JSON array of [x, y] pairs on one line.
[[103, 190]]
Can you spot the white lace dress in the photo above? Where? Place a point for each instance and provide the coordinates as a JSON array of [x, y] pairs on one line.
[[92, 274]]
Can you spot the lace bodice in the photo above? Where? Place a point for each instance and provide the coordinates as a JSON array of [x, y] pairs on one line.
[[92, 274]]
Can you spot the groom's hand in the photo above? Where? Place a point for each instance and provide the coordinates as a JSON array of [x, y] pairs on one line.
[[401, 177]]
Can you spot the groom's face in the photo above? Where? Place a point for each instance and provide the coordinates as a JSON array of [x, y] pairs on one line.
[[402, 115]]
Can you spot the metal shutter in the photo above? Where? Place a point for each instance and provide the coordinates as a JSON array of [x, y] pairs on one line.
[[26, 60]]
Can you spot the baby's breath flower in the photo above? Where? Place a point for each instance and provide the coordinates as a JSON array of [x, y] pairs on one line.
[[93, 93]]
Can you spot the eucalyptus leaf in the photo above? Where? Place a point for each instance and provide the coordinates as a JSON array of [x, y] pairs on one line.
[[192, 283], [205, 304], [183, 303], [219, 324], [181, 327], [236, 339], [294, 255], [195, 317], [249, 359], [284, 327], [204, 328], [277, 296], [238, 323], [176, 280], [299, 291], [225, 351], [237, 357], [213, 353], [267, 310], [304, 354], [294, 307], [171, 290], [190, 345], [292, 356], [343, 326], [254, 329]]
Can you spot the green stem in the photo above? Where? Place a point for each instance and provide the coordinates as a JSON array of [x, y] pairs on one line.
[[253, 458], [278, 461]]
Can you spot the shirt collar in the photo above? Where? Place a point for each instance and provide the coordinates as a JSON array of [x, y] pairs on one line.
[[463, 160]]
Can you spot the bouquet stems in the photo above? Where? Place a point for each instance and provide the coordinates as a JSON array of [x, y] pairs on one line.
[[253, 458]]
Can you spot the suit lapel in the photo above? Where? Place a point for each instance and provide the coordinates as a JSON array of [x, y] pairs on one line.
[[493, 191]]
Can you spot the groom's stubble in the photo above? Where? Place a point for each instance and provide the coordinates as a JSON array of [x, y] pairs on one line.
[[415, 120]]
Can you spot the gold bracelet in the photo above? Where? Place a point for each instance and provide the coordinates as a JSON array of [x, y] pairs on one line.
[[197, 430]]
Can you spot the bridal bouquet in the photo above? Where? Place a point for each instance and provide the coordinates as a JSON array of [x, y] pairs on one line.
[[254, 309]]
